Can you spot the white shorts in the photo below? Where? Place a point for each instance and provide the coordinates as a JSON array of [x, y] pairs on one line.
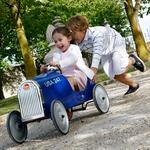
[[115, 63]]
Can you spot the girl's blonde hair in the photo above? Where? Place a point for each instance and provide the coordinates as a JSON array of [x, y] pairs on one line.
[[77, 23]]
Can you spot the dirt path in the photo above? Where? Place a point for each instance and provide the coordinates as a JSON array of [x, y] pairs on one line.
[[125, 127]]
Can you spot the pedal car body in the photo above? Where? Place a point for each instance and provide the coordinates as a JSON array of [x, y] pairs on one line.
[[49, 95]]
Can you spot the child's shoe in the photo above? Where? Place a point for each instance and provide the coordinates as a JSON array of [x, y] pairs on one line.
[[139, 64], [131, 89]]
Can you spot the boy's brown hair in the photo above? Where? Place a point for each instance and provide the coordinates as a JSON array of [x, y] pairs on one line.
[[77, 23]]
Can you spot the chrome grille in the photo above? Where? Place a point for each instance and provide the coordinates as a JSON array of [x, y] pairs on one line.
[[30, 101]]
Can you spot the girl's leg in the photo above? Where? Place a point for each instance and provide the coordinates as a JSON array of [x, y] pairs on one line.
[[73, 83]]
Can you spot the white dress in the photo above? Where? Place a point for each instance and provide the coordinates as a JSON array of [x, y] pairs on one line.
[[73, 65]]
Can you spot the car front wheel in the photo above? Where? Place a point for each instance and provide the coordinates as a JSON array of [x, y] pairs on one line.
[[59, 116], [17, 130]]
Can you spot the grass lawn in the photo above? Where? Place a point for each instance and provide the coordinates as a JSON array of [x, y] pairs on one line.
[[10, 104]]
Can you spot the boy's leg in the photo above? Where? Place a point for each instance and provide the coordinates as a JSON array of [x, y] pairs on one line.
[[121, 64], [123, 78]]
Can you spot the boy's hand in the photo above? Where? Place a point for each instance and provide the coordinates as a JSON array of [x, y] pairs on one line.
[[95, 71], [94, 78]]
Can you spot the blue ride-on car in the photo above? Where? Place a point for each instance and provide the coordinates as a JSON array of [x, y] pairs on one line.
[[50, 96]]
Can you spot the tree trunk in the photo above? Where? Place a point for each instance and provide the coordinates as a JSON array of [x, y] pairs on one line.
[[141, 46], [1, 88], [30, 68]]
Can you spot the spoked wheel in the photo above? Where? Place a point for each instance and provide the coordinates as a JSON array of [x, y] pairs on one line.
[[101, 99], [17, 130], [59, 117]]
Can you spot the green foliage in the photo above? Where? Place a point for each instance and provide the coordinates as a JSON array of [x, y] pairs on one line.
[[8, 39], [36, 15], [4, 66], [145, 7]]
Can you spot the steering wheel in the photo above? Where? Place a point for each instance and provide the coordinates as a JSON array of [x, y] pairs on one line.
[[57, 68]]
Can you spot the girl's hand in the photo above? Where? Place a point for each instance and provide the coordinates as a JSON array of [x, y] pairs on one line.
[[54, 64], [43, 68]]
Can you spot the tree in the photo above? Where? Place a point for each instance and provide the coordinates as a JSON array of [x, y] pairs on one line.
[[30, 69], [8, 48], [132, 11]]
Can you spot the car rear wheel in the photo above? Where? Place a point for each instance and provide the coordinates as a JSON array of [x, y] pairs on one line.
[[101, 99], [17, 130], [59, 116]]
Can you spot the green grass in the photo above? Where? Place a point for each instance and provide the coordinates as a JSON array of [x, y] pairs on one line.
[[10, 104], [147, 64]]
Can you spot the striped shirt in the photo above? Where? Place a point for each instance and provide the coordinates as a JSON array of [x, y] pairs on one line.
[[100, 41]]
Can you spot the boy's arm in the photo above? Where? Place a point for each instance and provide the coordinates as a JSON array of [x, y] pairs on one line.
[[98, 48]]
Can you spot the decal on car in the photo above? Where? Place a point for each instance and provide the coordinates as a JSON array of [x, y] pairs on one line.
[[52, 82]]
